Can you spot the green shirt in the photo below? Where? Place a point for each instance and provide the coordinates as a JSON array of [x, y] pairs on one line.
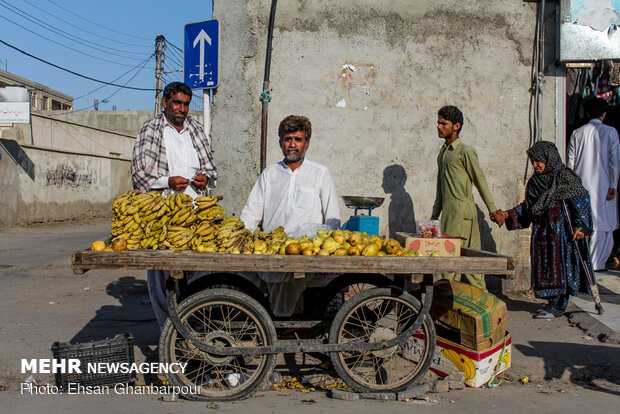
[[458, 168]]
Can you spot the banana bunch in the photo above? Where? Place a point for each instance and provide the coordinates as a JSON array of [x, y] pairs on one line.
[[461, 362], [230, 235], [213, 213], [135, 214], [178, 238], [277, 236], [203, 203], [181, 210], [204, 237]]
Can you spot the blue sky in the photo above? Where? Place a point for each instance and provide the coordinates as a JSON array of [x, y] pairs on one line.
[[106, 40]]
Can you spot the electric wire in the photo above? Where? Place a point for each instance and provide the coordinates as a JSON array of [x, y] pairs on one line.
[[133, 36], [66, 47], [84, 30], [75, 73], [84, 42], [106, 99], [113, 80]]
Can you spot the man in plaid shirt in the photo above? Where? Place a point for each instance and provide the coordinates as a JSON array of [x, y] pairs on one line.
[[172, 149], [171, 154]]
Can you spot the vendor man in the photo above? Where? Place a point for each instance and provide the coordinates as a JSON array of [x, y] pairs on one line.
[[295, 193], [171, 154], [458, 168]]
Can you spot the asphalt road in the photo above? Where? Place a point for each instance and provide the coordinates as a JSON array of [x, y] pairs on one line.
[[42, 301]]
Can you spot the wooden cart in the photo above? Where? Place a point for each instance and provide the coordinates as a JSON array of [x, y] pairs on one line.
[[229, 339]]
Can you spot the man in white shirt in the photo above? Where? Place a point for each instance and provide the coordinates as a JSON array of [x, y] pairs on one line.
[[295, 193], [593, 153], [171, 154]]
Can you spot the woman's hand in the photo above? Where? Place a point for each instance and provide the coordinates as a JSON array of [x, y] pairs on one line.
[[499, 216], [578, 235]]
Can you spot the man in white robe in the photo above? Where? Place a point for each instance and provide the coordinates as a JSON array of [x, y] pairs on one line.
[[299, 195], [593, 153]]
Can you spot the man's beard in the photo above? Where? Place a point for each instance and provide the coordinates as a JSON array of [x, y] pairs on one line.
[[294, 156]]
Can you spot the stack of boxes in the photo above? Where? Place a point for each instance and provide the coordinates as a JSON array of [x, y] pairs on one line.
[[471, 333]]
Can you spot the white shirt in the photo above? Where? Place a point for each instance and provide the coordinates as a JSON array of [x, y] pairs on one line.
[[182, 159], [300, 200], [593, 153]]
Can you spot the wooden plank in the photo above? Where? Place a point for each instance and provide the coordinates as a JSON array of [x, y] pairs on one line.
[[225, 262], [510, 261]]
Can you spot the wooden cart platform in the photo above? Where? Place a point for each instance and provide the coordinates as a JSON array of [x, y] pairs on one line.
[[470, 261]]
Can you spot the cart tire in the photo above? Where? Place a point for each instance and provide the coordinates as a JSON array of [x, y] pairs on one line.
[[332, 297], [221, 317], [376, 315]]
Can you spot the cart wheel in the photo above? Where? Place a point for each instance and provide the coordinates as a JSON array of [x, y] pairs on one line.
[[376, 315], [343, 288], [225, 318]]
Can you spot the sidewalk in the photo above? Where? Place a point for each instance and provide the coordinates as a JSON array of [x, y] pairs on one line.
[[605, 327]]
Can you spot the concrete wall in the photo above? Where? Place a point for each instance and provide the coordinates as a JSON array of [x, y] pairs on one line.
[[81, 162], [371, 76], [9, 172]]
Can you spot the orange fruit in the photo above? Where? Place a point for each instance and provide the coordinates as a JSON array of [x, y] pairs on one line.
[[97, 246], [118, 245]]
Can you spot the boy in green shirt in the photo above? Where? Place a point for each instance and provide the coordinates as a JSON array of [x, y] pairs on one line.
[[458, 168]]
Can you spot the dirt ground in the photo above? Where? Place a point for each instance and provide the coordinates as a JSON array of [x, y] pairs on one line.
[[43, 301]]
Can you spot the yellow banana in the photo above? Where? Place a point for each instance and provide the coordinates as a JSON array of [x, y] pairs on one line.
[[182, 218], [164, 232]]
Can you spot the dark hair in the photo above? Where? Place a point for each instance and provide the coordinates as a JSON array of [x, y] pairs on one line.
[[293, 123], [452, 114], [176, 87], [596, 107]]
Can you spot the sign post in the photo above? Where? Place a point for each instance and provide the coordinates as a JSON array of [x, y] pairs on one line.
[[201, 62]]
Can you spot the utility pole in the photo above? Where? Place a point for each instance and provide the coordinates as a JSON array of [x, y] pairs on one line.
[[159, 60]]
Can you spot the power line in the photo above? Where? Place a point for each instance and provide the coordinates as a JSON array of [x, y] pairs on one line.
[[84, 30], [60, 44], [105, 100], [133, 36], [66, 35], [113, 80], [75, 73]]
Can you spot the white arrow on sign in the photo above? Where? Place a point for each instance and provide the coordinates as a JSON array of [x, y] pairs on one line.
[[201, 38]]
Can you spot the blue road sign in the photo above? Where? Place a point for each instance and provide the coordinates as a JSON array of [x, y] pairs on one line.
[[202, 54]]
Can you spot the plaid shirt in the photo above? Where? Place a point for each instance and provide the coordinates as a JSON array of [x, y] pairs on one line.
[[149, 161]]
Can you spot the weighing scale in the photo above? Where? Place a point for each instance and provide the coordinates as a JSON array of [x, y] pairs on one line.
[[357, 222]]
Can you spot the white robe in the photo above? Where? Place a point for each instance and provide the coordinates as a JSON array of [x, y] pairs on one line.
[[302, 201], [593, 153]]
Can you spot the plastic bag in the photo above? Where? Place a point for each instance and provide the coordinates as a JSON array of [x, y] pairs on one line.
[[428, 228]]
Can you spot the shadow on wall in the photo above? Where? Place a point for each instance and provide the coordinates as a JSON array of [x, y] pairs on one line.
[[494, 284], [401, 214]]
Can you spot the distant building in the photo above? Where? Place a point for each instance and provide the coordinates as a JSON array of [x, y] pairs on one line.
[[41, 97]]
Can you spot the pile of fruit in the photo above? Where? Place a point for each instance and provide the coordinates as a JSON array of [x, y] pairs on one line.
[[178, 222], [344, 243]]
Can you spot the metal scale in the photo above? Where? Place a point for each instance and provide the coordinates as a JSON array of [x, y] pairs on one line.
[[365, 223]]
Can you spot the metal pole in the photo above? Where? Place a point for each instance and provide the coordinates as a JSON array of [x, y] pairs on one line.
[[206, 115], [159, 54], [265, 95]]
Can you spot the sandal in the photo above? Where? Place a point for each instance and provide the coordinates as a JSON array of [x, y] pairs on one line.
[[544, 315]]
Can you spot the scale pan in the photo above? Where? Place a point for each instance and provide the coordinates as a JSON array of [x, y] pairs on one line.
[[362, 202]]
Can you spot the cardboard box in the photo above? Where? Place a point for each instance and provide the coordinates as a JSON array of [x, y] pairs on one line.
[[477, 318], [449, 357], [444, 246]]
